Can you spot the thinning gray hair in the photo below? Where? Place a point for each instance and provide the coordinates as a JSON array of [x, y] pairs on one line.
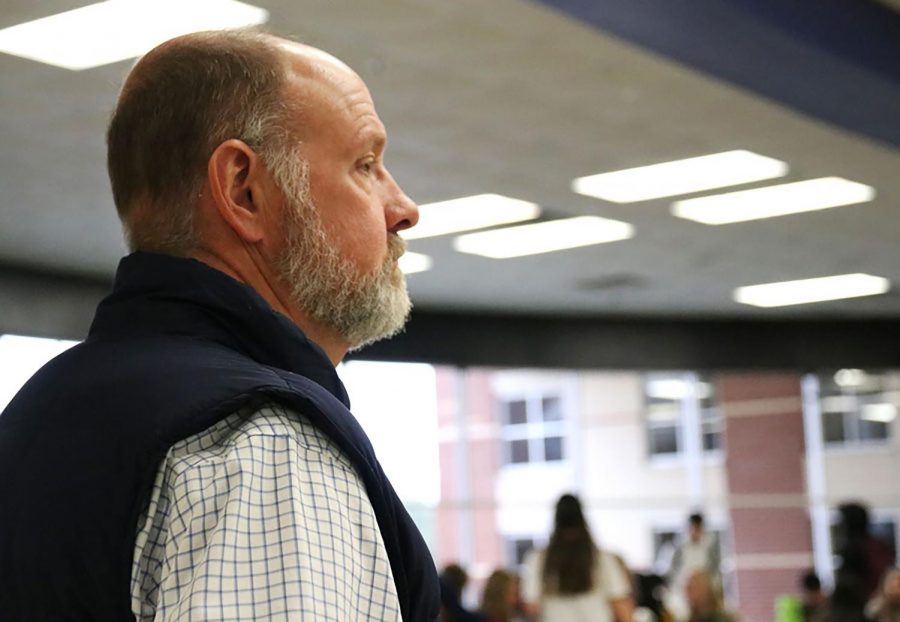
[[180, 102]]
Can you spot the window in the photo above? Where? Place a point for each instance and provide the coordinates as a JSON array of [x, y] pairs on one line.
[[710, 416], [664, 543], [856, 407], [670, 398], [517, 549], [663, 424], [533, 429]]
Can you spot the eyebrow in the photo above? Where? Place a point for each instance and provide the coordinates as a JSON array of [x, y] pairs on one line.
[[377, 139], [372, 138]]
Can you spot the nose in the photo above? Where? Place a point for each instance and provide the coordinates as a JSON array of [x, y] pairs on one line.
[[401, 212]]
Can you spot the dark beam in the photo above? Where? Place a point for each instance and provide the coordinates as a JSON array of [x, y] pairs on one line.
[[635, 343], [42, 304]]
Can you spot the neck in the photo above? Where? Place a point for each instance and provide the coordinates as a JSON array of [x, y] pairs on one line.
[[334, 346]]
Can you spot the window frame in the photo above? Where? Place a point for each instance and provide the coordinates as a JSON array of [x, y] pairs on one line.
[[536, 429], [707, 414], [852, 422]]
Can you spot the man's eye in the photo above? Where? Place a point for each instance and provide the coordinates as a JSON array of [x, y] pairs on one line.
[[366, 167]]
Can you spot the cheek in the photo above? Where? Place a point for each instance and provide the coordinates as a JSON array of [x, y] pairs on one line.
[[353, 218]]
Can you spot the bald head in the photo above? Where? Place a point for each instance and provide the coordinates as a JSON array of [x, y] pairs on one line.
[[182, 100]]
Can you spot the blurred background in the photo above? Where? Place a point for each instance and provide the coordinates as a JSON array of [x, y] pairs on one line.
[[654, 266]]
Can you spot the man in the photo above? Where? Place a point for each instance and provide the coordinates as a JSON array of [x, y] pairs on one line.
[[700, 551], [195, 458], [813, 601]]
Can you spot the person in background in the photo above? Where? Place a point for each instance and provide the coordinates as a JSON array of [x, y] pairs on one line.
[[704, 603], [649, 595], [885, 606], [699, 552], [813, 601], [573, 580], [453, 581], [864, 559], [500, 597]]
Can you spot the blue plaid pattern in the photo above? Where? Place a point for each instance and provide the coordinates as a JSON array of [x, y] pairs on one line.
[[260, 517]]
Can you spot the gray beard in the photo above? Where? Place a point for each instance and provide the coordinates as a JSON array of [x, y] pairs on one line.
[[362, 308]]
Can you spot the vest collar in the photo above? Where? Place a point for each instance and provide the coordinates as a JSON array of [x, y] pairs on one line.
[[165, 295]]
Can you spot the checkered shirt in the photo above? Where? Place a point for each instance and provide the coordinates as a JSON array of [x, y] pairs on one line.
[[260, 517]]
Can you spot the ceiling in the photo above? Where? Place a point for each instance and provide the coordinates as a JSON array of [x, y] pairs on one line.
[[517, 98]]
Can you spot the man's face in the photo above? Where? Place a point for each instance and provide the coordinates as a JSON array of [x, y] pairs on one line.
[[695, 531], [361, 306], [342, 212]]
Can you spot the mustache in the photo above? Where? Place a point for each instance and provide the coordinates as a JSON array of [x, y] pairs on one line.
[[396, 246]]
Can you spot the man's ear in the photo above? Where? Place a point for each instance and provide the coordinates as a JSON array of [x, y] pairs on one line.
[[236, 181]]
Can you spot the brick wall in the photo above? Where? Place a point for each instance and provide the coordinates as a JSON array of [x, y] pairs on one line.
[[767, 487]]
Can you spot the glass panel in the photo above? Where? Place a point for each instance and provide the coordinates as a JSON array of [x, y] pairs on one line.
[[663, 539], [520, 548], [553, 449], [552, 409], [663, 411], [712, 438], [833, 427], [516, 412], [663, 440], [872, 430], [518, 451], [711, 426]]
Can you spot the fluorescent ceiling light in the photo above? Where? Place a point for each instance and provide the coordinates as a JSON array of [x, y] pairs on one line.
[[882, 413], [467, 213], [850, 377], [411, 263], [772, 201], [811, 290], [111, 31], [680, 177], [543, 237]]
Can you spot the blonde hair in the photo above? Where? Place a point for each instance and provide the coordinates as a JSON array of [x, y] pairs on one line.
[[495, 598]]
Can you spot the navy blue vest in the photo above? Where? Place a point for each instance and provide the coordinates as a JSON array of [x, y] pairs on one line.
[[175, 348]]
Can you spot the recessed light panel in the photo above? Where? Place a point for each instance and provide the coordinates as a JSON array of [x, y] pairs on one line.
[[772, 201], [680, 177], [543, 237], [107, 32], [410, 263], [467, 213], [812, 290]]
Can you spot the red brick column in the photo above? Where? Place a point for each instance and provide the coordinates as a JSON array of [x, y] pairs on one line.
[[765, 466]]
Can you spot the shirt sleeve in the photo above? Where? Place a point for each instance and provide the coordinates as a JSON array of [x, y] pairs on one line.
[[260, 517]]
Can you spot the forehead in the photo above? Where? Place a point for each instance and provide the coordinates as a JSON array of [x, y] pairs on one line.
[[332, 101]]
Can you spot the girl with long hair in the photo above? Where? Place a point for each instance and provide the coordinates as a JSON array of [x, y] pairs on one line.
[[573, 580]]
